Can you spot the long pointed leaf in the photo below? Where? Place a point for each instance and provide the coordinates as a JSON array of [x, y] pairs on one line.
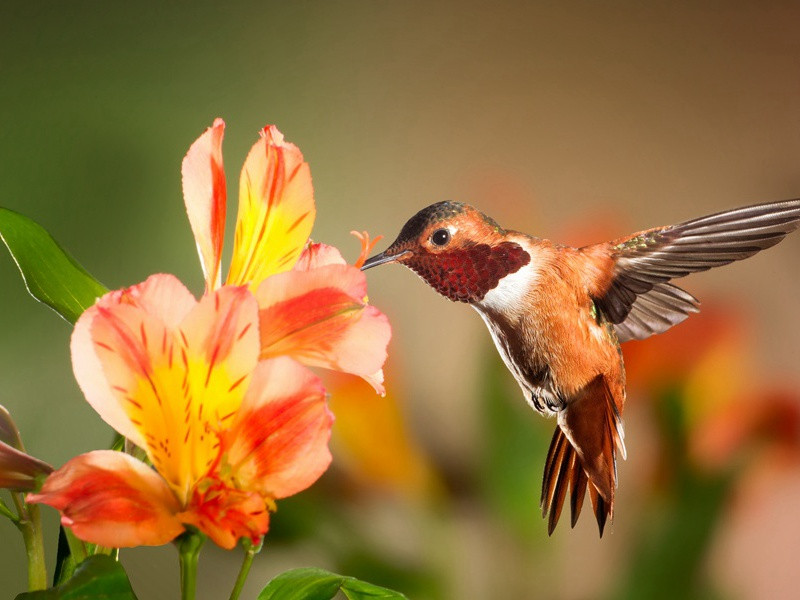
[[51, 275], [318, 584]]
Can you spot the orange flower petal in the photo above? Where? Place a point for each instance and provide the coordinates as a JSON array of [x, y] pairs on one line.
[[318, 255], [279, 443], [373, 442], [112, 499], [276, 210], [205, 198], [319, 317], [162, 296], [226, 514]]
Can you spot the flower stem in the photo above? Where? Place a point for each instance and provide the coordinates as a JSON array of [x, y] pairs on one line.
[[189, 545], [250, 550], [30, 524]]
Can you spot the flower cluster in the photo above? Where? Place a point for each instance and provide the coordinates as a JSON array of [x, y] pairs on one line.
[[217, 391]]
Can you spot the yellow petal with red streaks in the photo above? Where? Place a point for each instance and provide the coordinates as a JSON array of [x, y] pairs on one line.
[[161, 296], [177, 385], [204, 194], [112, 499], [279, 442], [276, 210], [319, 318]]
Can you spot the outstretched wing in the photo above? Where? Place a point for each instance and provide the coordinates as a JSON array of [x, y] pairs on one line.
[[640, 302]]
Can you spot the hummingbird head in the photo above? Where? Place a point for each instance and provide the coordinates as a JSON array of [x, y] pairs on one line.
[[456, 249]]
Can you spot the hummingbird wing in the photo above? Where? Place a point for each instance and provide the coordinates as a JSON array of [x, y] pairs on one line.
[[645, 261], [656, 311], [583, 456]]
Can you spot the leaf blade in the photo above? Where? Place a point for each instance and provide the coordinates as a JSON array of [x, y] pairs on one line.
[[318, 584], [51, 275], [99, 577]]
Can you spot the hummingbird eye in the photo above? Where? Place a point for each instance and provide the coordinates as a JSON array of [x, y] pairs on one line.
[[440, 237]]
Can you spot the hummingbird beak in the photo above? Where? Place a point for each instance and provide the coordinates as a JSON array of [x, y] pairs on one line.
[[383, 258]]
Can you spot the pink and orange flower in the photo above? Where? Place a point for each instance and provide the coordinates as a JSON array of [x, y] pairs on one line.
[[312, 304], [215, 391]]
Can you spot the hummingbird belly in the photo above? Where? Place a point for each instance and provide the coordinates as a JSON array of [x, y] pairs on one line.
[[533, 376]]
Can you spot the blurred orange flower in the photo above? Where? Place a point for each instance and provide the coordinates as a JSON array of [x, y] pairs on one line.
[[227, 434], [311, 287], [373, 443]]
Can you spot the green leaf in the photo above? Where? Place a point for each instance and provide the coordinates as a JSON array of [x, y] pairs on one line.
[[318, 584], [51, 275], [99, 577]]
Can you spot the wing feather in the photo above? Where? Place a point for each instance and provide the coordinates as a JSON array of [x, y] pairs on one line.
[[639, 301]]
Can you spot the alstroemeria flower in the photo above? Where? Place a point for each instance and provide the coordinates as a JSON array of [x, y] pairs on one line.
[[227, 434], [314, 311]]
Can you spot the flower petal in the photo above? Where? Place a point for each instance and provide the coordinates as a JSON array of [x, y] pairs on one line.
[[205, 197], [226, 514], [162, 296], [112, 499], [318, 255], [173, 387], [279, 442], [276, 210], [320, 318]]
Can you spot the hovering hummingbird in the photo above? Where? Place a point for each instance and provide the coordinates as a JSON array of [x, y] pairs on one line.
[[558, 315]]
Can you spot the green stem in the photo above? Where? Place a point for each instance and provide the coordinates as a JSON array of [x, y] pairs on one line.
[[77, 548], [189, 545], [250, 551], [30, 524]]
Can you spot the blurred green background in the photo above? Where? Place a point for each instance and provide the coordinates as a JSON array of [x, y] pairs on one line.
[[578, 122]]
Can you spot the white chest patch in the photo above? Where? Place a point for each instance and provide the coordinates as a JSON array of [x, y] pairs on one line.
[[511, 290]]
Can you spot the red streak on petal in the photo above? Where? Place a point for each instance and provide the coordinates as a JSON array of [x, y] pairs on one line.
[[143, 335], [295, 171], [237, 383], [212, 363], [134, 402], [299, 220], [244, 331]]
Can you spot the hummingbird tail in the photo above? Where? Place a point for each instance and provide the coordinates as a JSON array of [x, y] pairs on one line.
[[582, 456]]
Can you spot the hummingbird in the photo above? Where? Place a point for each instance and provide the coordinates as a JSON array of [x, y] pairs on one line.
[[558, 314]]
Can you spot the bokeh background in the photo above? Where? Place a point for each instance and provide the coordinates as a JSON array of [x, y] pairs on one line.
[[576, 121]]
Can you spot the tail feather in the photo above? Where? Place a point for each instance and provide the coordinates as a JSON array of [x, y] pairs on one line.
[[579, 483], [582, 456], [602, 510], [563, 481]]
